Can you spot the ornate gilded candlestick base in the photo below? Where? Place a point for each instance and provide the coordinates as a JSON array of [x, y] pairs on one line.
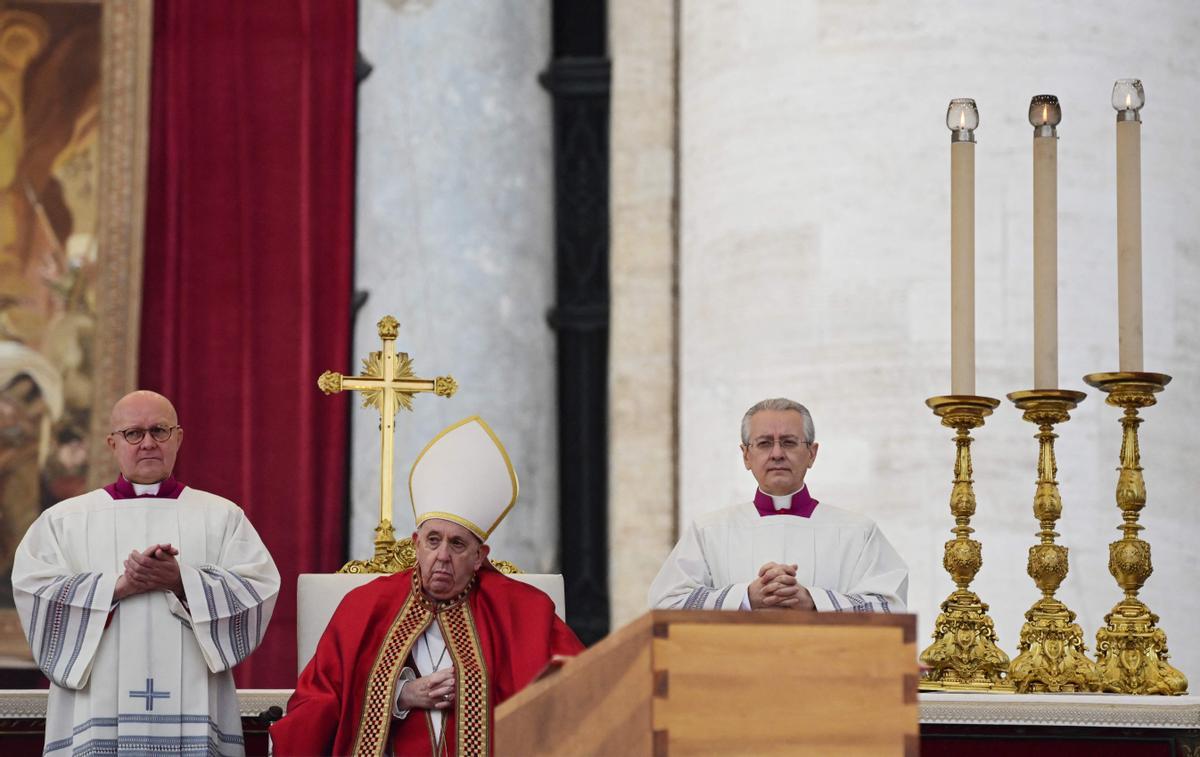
[[964, 654], [391, 556], [1130, 649], [1052, 653]]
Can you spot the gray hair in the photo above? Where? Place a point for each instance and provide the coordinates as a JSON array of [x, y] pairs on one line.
[[779, 403]]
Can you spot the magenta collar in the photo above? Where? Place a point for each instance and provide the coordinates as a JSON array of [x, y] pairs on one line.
[[802, 504], [170, 488]]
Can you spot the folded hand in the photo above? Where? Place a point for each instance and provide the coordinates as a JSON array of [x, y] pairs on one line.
[[432, 692], [153, 569], [777, 587]]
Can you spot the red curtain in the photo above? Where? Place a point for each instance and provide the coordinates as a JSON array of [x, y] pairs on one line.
[[248, 260]]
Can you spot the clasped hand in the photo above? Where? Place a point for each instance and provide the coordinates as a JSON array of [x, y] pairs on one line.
[[151, 570], [432, 692], [776, 587]]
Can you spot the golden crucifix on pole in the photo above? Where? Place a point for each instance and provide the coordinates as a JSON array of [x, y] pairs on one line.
[[388, 384]]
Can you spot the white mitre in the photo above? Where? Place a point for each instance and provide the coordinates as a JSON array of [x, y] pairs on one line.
[[464, 476]]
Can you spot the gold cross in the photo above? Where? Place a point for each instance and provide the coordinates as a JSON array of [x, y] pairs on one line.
[[388, 384]]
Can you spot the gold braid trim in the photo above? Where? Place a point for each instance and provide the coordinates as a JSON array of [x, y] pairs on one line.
[[414, 617], [472, 694], [376, 718]]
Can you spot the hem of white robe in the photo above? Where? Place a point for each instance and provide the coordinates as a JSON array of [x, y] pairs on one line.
[[726, 598], [407, 675], [193, 589], [821, 599], [737, 598], [177, 607], [104, 736], [101, 604]]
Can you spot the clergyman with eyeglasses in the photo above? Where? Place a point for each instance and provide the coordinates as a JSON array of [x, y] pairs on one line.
[[783, 549], [138, 599]]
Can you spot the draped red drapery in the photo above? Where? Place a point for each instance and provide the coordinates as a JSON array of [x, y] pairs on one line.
[[248, 260]]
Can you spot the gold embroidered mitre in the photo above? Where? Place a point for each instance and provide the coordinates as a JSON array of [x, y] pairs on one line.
[[464, 476]]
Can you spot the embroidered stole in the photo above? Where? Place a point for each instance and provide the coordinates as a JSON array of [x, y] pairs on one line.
[[472, 722]]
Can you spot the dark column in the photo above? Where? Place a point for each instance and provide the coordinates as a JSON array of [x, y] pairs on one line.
[[578, 80]]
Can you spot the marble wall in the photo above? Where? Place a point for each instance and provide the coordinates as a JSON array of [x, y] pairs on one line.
[[813, 258], [455, 239]]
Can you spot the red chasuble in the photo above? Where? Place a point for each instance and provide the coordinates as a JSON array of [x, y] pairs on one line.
[[500, 633]]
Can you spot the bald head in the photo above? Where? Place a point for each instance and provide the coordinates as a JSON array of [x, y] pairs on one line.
[[139, 400], [148, 460]]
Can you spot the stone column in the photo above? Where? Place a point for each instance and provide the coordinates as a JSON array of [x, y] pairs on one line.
[[643, 439]]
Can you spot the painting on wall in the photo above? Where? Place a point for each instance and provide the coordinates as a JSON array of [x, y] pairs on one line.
[[74, 83]]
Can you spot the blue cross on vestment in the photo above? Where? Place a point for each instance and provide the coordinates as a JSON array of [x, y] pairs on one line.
[[150, 694]]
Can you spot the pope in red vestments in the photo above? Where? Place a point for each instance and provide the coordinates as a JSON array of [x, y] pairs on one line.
[[491, 635]]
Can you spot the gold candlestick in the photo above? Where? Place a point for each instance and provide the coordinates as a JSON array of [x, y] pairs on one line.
[[1052, 653], [964, 654], [1130, 649]]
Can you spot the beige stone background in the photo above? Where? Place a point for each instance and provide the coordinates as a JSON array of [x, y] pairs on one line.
[[781, 227]]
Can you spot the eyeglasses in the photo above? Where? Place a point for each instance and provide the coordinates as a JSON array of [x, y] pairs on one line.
[[136, 435], [787, 443]]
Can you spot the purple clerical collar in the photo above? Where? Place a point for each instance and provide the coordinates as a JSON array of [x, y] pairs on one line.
[[168, 488], [802, 504]]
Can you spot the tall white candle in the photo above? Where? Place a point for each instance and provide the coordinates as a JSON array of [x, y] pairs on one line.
[[962, 118], [1045, 114], [1128, 99]]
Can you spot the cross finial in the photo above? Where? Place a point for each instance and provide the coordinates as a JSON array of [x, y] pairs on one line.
[[388, 384]]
